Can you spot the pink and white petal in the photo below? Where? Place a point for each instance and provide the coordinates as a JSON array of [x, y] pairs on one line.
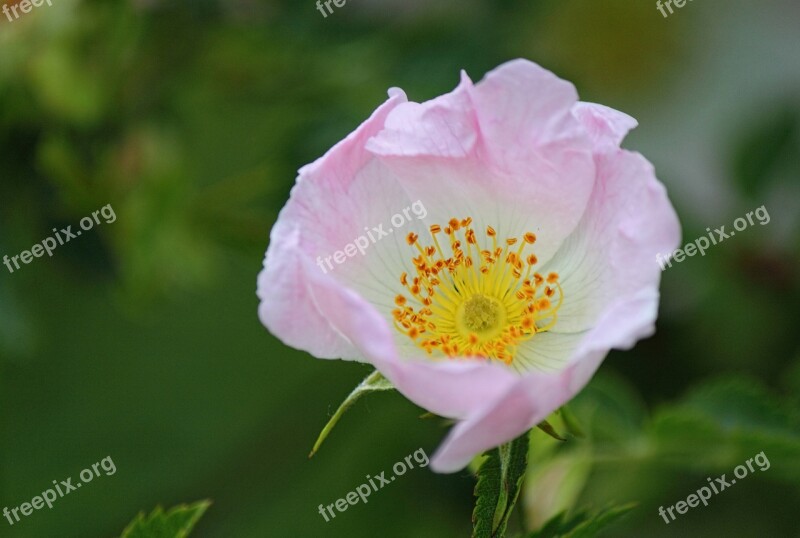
[[547, 352], [444, 126], [607, 126], [456, 155], [287, 308], [304, 229], [524, 111], [508, 417], [528, 402], [612, 253], [375, 201], [450, 388], [539, 394]]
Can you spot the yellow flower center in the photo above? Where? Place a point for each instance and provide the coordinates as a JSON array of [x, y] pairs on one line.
[[477, 301], [480, 314]]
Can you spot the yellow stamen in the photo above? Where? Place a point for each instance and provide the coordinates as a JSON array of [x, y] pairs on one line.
[[475, 303]]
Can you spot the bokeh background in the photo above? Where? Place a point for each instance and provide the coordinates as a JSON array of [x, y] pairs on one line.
[[139, 340]]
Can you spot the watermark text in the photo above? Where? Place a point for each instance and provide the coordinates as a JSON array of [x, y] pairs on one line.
[[718, 485], [59, 490], [703, 243], [361, 243], [373, 484], [59, 238]]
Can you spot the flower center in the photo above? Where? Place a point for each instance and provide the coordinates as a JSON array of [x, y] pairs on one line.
[[480, 314], [474, 300]]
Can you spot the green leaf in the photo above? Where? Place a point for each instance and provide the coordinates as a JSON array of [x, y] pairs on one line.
[[497, 490], [515, 467], [601, 521], [547, 428], [722, 424], [584, 524], [372, 383], [487, 492], [177, 523]]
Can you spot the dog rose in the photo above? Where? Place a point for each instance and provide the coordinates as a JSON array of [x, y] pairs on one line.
[[534, 255]]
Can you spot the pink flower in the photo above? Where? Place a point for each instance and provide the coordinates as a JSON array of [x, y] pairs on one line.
[[535, 256]]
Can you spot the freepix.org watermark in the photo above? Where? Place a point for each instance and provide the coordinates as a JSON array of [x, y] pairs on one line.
[[60, 238], [362, 492], [361, 243], [26, 6], [327, 3], [703, 243], [62, 488], [718, 485], [668, 4]]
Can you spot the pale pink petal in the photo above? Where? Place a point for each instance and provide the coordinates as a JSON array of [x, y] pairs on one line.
[[609, 257], [444, 126], [612, 253], [507, 152], [302, 230], [606, 126], [525, 116]]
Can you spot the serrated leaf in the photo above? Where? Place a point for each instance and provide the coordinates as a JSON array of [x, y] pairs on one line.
[[374, 382], [487, 493], [583, 524], [497, 490], [177, 523], [514, 474]]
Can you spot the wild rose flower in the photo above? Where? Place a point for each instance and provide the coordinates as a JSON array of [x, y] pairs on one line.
[[536, 255]]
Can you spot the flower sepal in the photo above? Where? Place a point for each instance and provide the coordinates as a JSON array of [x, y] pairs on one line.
[[374, 382]]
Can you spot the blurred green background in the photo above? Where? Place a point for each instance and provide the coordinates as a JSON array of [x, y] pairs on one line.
[[139, 340]]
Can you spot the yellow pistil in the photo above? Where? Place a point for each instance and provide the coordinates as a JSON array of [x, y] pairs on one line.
[[480, 302]]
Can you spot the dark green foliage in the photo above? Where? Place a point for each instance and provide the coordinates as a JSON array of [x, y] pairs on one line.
[[175, 523], [584, 524]]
